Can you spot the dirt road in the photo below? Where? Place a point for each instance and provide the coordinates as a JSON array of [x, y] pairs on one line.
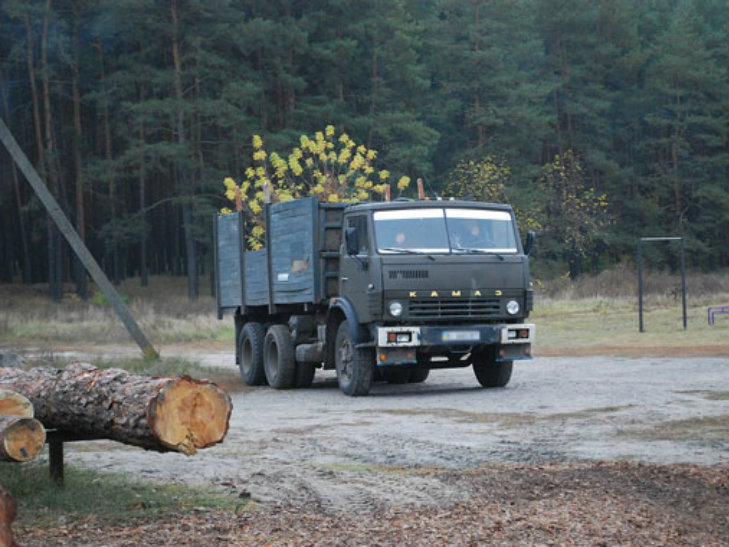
[[322, 449]]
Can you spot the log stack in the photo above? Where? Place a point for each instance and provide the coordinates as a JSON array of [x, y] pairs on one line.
[[163, 414], [21, 436], [21, 439]]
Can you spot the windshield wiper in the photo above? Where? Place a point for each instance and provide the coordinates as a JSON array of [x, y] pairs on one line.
[[401, 250], [405, 250], [472, 250]]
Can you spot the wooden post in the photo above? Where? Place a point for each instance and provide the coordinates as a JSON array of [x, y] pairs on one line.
[[421, 189], [78, 246], [639, 260], [55, 458]]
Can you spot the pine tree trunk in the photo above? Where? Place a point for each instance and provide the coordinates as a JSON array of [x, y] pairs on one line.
[[79, 270], [21, 438], [55, 265], [108, 155], [30, 62], [181, 172], [143, 270], [24, 248], [190, 252], [164, 414]]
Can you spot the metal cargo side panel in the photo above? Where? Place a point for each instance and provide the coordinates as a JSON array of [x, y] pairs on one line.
[[228, 253], [330, 238], [256, 271], [293, 258]]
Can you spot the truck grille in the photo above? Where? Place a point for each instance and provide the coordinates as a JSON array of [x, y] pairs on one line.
[[409, 274], [454, 308]]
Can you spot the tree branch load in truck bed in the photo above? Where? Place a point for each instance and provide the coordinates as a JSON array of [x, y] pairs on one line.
[[385, 290]]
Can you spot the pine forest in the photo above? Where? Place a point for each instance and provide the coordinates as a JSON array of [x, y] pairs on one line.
[[600, 121]]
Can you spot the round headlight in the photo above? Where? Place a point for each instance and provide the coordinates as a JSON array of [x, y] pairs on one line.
[[512, 307], [395, 308]]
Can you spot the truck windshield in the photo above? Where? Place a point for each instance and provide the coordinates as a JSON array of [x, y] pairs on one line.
[[444, 230]]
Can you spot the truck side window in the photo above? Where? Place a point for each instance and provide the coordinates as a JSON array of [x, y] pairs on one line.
[[359, 222]]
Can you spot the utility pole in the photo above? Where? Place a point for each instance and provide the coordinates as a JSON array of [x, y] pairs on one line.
[[78, 246]]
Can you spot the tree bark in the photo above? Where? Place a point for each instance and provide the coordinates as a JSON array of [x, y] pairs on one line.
[[163, 414], [8, 509], [21, 438]]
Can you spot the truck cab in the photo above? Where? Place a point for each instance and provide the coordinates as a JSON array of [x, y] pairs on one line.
[[436, 284]]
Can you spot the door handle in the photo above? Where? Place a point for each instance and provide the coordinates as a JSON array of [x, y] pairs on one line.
[[345, 279]]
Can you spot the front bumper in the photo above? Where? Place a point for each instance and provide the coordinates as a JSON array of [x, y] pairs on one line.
[[401, 344], [406, 336]]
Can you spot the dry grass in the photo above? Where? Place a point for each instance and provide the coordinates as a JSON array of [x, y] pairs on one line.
[[600, 313], [611, 326], [593, 314], [702, 430], [622, 282], [162, 310], [502, 419]]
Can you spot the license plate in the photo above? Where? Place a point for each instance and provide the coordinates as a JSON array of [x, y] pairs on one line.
[[461, 336]]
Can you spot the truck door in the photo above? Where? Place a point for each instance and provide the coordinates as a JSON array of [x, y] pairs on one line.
[[354, 272]]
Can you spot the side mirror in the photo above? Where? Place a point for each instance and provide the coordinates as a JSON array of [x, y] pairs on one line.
[[351, 240], [531, 236]]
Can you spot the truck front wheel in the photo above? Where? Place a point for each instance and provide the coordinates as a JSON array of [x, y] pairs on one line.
[[278, 357], [489, 372], [354, 365], [250, 354]]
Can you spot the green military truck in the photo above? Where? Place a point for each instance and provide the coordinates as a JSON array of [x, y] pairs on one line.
[[376, 291]]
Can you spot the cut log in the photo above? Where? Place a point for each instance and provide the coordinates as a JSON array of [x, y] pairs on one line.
[[164, 414], [7, 516], [21, 438], [13, 403]]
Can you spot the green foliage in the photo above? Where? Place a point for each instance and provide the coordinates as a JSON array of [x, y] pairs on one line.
[[572, 212], [100, 300], [489, 180], [484, 180]]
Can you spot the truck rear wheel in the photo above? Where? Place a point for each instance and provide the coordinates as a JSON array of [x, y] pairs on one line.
[[278, 357], [354, 365], [250, 354], [491, 373]]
